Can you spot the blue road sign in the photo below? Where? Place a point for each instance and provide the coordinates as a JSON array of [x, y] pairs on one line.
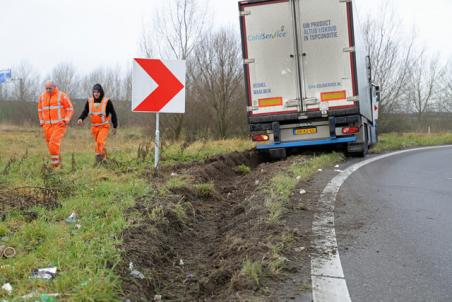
[[5, 75]]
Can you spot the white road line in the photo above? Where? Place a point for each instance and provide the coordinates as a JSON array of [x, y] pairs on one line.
[[328, 280]]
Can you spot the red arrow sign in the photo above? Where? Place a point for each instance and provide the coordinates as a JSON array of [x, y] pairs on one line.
[[168, 86]]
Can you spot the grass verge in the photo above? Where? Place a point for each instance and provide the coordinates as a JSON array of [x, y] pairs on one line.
[[283, 184], [394, 141]]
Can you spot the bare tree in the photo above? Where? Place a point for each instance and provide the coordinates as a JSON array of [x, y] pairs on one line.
[[445, 94], [423, 87], [391, 54], [178, 27], [127, 86], [111, 79], [219, 76], [65, 77], [26, 83]]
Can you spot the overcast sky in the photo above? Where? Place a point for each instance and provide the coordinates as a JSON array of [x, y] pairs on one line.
[[94, 33]]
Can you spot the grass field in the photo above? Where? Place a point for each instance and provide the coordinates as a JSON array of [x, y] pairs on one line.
[[87, 256]]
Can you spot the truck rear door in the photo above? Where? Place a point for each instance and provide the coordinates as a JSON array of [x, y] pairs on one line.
[[328, 62], [271, 61]]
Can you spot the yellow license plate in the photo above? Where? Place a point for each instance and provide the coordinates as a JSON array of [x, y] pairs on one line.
[[303, 131]]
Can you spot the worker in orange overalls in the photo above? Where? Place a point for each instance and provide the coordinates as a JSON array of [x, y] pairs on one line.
[[101, 110], [55, 112]]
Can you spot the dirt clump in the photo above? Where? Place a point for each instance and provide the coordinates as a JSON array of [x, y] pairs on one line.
[[201, 242], [24, 198]]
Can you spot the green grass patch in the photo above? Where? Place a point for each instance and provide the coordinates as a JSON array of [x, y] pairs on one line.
[[395, 141], [205, 190], [242, 169], [252, 270], [283, 184]]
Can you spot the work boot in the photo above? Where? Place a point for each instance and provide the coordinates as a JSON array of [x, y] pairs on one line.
[[55, 166], [99, 158]]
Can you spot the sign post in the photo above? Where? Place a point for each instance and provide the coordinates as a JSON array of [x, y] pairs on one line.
[[158, 86], [157, 141]]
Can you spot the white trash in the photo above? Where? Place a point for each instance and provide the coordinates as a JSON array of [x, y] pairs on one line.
[[71, 218], [47, 273], [134, 272], [8, 288]]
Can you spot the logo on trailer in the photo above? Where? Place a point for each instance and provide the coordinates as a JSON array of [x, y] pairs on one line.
[[279, 34]]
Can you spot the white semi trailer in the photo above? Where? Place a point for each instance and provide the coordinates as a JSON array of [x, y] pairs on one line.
[[307, 75]]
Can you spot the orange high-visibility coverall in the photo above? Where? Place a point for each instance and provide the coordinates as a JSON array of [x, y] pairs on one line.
[[55, 111], [100, 124]]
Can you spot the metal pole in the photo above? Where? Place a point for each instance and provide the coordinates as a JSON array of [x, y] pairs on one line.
[[157, 141]]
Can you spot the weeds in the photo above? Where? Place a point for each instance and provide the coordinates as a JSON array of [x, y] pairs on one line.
[[252, 270], [175, 183], [205, 190], [242, 169], [9, 164], [157, 216]]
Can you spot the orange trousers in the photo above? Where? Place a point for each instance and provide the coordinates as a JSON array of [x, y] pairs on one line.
[[100, 135], [53, 135]]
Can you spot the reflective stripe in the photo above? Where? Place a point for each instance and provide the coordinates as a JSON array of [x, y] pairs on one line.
[[59, 105], [55, 156], [53, 122], [39, 110], [51, 107], [95, 125], [104, 109]]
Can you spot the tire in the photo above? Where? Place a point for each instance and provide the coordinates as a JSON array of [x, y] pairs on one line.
[[277, 154], [364, 146]]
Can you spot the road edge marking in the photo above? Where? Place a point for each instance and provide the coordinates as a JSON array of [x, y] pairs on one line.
[[328, 280]]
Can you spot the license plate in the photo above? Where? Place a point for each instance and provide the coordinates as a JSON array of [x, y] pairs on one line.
[[302, 131]]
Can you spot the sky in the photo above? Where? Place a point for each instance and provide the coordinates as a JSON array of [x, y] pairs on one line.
[[95, 33]]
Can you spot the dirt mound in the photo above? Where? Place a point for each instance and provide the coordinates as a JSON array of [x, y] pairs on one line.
[[192, 246], [26, 197]]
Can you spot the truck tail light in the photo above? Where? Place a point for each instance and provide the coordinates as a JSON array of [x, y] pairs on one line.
[[260, 137], [350, 130]]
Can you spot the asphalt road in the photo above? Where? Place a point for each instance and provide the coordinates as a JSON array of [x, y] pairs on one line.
[[394, 228]]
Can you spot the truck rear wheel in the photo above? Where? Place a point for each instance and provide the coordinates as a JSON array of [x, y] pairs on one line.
[[363, 147], [273, 154]]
